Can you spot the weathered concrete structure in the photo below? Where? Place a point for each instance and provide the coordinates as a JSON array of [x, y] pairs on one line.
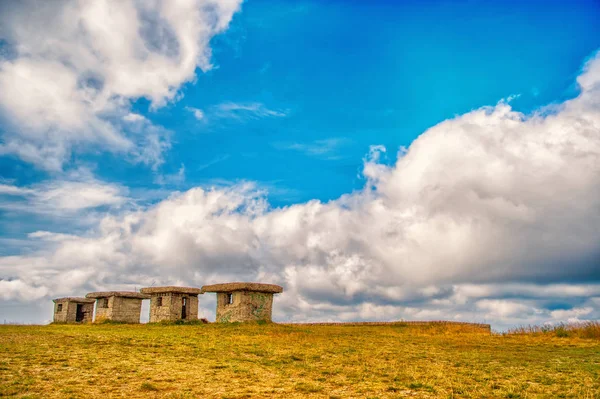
[[73, 310], [122, 306], [239, 302], [172, 303]]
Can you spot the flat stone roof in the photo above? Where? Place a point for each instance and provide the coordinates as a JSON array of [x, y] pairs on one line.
[[254, 287], [171, 289], [121, 294], [77, 299]]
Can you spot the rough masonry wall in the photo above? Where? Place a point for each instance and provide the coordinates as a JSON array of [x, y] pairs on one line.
[[171, 308], [121, 309], [104, 313], [127, 310], [69, 312], [60, 317], [246, 306]]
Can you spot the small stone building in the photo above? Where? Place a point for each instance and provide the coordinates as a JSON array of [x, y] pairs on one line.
[[239, 302], [73, 310], [172, 303], [122, 306]]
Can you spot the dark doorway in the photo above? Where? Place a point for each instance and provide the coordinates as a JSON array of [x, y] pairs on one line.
[[79, 312], [184, 307]]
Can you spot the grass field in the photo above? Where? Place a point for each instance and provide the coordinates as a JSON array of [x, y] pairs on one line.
[[239, 361]]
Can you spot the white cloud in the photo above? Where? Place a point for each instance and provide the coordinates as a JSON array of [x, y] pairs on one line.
[[198, 113], [73, 195], [486, 217], [502, 308], [326, 148], [65, 196], [238, 112], [175, 178], [71, 83], [214, 161], [571, 315], [7, 189], [132, 117], [243, 111], [16, 289]]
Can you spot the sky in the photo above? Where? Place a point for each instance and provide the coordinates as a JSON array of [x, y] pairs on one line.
[[382, 160]]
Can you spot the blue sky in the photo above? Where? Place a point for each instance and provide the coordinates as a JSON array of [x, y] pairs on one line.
[[350, 75], [291, 101], [347, 75]]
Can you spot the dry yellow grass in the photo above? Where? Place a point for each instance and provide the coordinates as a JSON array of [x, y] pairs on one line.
[[239, 361], [585, 329]]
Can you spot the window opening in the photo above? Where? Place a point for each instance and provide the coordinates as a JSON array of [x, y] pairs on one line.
[[59, 307], [104, 303], [229, 298], [159, 301]]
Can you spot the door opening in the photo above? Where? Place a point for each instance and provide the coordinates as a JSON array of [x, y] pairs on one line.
[[184, 307], [79, 312]]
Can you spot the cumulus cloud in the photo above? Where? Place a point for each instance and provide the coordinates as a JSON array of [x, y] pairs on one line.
[[490, 216], [571, 315], [17, 289], [70, 85]]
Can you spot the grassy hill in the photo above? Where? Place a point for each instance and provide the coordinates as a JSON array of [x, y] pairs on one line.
[[240, 361]]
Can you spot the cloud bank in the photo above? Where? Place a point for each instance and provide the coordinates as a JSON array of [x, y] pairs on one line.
[[71, 84], [490, 216]]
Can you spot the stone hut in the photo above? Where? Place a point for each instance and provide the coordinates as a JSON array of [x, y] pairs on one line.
[[73, 310], [122, 306], [243, 301], [172, 303]]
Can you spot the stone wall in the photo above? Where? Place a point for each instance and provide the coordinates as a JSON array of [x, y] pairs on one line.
[[68, 314], [125, 310], [104, 313], [171, 308], [246, 306], [60, 316]]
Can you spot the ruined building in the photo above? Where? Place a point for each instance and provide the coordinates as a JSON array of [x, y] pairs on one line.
[[243, 301], [73, 310], [122, 306], [172, 303]]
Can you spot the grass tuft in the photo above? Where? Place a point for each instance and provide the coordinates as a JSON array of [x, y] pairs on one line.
[[146, 386], [308, 387]]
